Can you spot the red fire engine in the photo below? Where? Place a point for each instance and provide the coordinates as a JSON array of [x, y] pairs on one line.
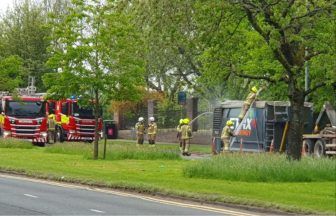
[[73, 122], [24, 117]]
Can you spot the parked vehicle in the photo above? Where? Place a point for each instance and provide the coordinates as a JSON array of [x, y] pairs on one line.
[[24, 117], [73, 122], [263, 129], [323, 139]]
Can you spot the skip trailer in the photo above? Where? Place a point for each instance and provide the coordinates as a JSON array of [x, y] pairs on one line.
[[263, 129]]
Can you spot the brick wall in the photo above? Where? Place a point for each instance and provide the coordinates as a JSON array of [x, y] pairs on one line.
[[169, 135]]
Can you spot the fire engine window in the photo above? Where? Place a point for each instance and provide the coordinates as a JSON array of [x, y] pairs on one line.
[[65, 109], [82, 111], [25, 108]]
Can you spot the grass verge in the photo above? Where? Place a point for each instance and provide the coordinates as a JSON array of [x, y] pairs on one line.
[[166, 177], [262, 168], [117, 151], [15, 143]]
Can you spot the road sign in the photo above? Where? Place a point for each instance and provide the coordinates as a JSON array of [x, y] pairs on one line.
[[182, 98]]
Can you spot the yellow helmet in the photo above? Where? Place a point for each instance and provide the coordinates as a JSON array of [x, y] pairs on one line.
[[186, 121], [254, 89], [181, 121], [229, 123]]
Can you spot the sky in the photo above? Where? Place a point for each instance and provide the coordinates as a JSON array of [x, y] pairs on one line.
[[4, 4]]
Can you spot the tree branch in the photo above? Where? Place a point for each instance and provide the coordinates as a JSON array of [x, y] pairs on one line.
[[277, 53], [317, 86], [255, 25], [312, 55], [309, 14], [235, 72], [286, 10]]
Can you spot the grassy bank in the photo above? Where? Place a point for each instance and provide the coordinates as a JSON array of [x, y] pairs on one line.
[[262, 168], [165, 176], [15, 143], [118, 151]]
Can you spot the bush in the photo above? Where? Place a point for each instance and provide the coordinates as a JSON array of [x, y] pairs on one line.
[[262, 168], [15, 143]]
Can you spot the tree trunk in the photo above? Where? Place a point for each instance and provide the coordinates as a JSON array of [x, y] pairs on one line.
[[296, 123], [96, 135]]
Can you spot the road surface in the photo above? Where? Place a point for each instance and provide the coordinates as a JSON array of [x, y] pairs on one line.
[[25, 196]]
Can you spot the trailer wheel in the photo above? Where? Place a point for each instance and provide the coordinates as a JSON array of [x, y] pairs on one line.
[[319, 148], [59, 135], [307, 146]]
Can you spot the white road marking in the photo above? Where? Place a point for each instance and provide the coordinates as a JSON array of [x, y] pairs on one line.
[[124, 194], [29, 195], [95, 210]]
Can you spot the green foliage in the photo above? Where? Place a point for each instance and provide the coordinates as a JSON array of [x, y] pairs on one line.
[[23, 33], [262, 168], [12, 73], [95, 53], [15, 143]]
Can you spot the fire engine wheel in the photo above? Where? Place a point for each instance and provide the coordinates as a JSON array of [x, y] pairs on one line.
[[59, 135], [307, 146], [40, 144], [319, 148]]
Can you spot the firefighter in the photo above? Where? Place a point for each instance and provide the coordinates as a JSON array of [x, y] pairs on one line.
[[247, 103], [178, 135], [185, 137], [152, 130], [227, 133], [140, 131], [51, 128]]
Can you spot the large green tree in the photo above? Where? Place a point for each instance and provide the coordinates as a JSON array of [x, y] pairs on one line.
[[24, 33], [230, 45], [96, 55], [273, 41], [12, 73]]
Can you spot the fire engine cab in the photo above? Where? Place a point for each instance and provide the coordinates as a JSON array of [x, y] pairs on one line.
[[24, 116], [73, 122]]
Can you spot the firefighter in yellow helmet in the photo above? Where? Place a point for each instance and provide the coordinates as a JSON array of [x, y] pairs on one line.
[[185, 137], [247, 103], [140, 131], [152, 130], [227, 133], [178, 135]]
